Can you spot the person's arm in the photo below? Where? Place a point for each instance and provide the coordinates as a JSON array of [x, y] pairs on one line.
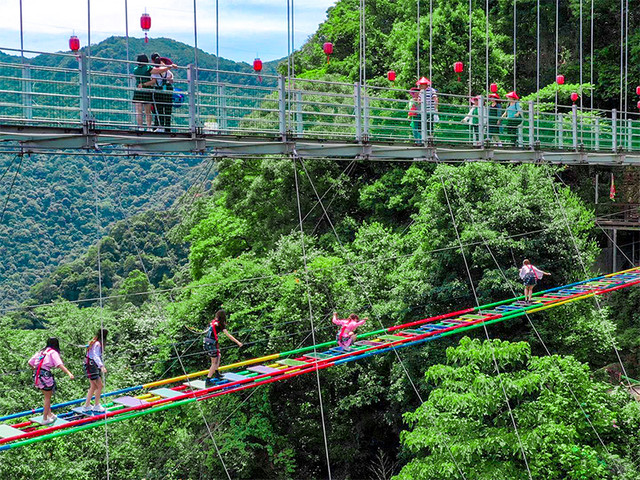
[[231, 337], [96, 355], [361, 322], [66, 370], [162, 69], [336, 320]]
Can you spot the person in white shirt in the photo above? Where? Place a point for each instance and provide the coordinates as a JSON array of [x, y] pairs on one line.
[[530, 276], [93, 366]]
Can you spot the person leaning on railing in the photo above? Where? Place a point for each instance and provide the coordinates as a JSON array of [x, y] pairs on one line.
[[143, 94], [163, 94], [512, 118]]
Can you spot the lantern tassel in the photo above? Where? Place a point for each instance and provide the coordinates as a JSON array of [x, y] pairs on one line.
[[146, 39]]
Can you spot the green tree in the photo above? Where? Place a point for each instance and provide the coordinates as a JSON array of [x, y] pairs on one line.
[[466, 418]]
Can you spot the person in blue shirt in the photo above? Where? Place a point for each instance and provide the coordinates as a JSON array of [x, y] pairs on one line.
[[512, 118]]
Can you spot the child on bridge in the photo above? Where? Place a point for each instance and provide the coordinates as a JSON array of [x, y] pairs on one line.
[[42, 363], [346, 335]]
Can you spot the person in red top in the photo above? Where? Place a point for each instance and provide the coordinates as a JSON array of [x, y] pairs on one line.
[[211, 346], [41, 363]]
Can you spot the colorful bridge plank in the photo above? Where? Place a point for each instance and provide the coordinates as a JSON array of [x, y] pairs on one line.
[[260, 371]]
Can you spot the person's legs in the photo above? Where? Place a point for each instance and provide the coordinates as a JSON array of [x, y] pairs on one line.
[[92, 389], [147, 114], [46, 413], [97, 388], [215, 363], [139, 108]]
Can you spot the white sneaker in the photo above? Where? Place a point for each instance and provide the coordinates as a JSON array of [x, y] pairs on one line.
[[49, 420], [99, 409], [86, 408]]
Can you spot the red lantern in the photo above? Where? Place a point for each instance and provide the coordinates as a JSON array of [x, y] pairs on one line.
[[391, 75], [145, 25], [638, 90], [493, 88], [560, 79], [74, 43], [327, 48], [257, 67], [574, 97], [458, 67]]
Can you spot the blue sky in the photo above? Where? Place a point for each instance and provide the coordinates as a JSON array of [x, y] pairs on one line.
[[248, 28]]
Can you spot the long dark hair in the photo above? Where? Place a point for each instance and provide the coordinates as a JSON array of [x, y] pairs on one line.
[[100, 336], [221, 316], [142, 58], [52, 342]]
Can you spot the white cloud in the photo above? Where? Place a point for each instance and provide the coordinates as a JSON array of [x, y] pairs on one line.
[[244, 24]]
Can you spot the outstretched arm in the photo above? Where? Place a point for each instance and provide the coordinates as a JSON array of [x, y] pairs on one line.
[[336, 320], [231, 337], [66, 370]]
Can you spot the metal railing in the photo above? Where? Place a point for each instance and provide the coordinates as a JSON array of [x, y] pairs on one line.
[[73, 91]]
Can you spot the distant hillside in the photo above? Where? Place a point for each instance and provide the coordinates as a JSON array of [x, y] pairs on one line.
[[51, 213], [50, 216]]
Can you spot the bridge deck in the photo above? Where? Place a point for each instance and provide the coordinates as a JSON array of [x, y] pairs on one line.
[[174, 392], [80, 105]]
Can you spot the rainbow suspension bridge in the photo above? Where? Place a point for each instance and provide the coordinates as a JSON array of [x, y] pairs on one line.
[[22, 428]]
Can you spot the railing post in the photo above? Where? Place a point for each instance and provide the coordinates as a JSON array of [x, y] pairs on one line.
[[131, 85], [193, 90], [423, 116], [365, 115], [27, 99], [531, 125], [597, 133], [481, 121], [560, 120], [574, 126], [223, 120], [629, 135], [282, 107], [299, 118], [357, 99], [614, 130], [85, 101]]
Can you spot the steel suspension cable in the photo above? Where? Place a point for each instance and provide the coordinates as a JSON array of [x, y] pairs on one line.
[[528, 317], [21, 36], [430, 41], [13, 182], [313, 328], [418, 41], [486, 331], [126, 37], [366, 294], [556, 61], [515, 41], [101, 302], [621, 51], [161, 313], [470, 44], [591, 66], [486, 47], [584, 268], [195, 39]]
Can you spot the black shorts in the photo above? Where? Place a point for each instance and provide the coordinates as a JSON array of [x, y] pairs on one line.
[[211, 347], [529, 281], [92, 370], [143, 95]]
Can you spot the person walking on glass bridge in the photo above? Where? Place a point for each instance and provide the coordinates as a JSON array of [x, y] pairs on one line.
[[347, 333], [512, 118], [211, 346], [42, 363], [530, 276]]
